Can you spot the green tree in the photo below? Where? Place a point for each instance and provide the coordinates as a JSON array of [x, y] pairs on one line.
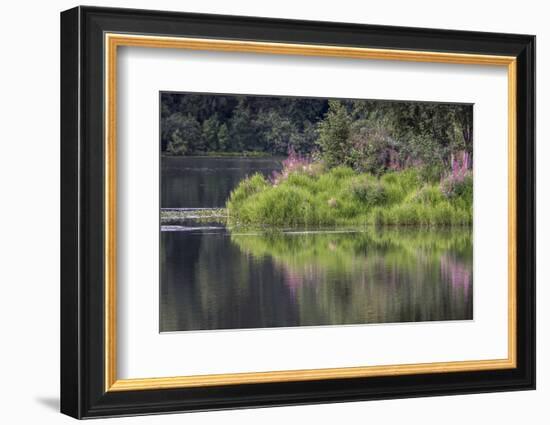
[[223, 138], [276, 131], [242, 130], [365, 134], [334, 134], [372, 149], [185, 135], [177, 144], [210, 129]]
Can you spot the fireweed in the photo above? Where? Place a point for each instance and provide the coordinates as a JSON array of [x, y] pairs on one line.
[[459, 181], [295, 163]]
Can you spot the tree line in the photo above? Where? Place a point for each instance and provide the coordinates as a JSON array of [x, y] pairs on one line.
[[368, 135]]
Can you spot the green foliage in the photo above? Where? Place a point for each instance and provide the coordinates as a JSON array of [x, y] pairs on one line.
[[342, 172], [241, 132], [275, 130], [185, 134], [285, 205], [334, 133], [223, 138], [370, 136], [386, 136], [453, 187], [177, 144], [246, 188], [243, 123], [429, 194], [368, 190], [431, 173], [371, 148], [210, 130], [340, 196], [339, 250]]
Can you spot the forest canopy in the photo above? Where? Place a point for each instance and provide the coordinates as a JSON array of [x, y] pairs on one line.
[[366, 135]]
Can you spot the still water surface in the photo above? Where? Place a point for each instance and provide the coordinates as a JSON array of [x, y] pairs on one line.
[[213, 278]]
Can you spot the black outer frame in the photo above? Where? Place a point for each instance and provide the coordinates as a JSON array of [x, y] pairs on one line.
[[82, 212]]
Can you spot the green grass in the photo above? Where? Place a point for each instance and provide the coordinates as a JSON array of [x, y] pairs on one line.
[[399, 246], [341, 196]]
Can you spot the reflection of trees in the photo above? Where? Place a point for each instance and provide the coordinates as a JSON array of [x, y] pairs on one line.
[[196, 182], [207, 283], [386, 275], [177, 248], [255, 280]]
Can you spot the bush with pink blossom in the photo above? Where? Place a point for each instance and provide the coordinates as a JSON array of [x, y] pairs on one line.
[[296, 163], [459, 182]]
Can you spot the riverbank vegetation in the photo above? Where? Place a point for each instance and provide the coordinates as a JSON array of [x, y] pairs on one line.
[[359, 133], [340, 196], [350, 162]]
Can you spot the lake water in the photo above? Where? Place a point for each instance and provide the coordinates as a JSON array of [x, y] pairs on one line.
[[213, 278]]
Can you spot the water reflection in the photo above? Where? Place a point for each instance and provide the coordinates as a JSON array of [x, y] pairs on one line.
[[242, 279], [205, 182]]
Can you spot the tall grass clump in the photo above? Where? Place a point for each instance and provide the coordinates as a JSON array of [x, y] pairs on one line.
[[306, 193], [247, 188]]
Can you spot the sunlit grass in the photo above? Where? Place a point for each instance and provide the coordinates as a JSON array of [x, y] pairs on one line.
[[341, 196]]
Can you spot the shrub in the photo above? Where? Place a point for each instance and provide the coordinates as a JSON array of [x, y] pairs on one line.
[[457, 186], [372, 149], [399, 184], [428, 195], [459, 182], [247, 188], [341, 196], [342, 172], [334, 132], [406, 214], [296, 164], [368, 192], [431, 173], [283, 206], [377, 217]]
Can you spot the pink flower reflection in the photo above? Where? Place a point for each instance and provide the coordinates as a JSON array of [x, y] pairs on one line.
[[293, 281], [296, 278], [459, 274]]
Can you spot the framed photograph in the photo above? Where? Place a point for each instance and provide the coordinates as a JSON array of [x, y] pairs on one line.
[[261, 212]]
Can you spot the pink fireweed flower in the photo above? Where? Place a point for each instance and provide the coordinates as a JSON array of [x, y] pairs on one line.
[[460, 169], [293, 163]]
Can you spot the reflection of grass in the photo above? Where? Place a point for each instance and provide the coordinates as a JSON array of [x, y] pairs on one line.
[[398, 245], [389, 274], [342, 197]]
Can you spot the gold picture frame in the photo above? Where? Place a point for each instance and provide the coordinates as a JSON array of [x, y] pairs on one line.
[[114, 41]]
